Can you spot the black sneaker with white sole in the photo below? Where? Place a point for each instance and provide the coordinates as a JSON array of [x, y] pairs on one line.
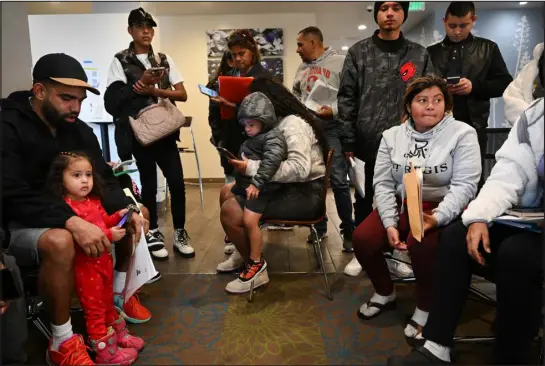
[[181, 243], [155, 240]]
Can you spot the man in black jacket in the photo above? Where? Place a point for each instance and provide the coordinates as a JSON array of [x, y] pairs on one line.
[[473, 64], [36, 126]]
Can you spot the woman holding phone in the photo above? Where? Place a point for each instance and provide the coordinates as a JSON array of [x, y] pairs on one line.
[[246, 62]]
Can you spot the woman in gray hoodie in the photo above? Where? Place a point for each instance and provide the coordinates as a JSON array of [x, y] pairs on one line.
[[446, 152]]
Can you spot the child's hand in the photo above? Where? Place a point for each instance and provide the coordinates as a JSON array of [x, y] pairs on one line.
[[252, 192], [117, 233], [123, 212]]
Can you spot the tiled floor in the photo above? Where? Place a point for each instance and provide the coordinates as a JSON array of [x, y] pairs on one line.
[[285, 251]]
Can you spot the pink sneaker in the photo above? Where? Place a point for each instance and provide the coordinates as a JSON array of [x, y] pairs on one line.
[[108, 353], [124, 339]]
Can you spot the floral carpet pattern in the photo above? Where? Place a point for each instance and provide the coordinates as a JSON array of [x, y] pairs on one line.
[[290, 322]]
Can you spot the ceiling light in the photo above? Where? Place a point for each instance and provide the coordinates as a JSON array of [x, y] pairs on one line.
[[344, 48], [362, 27], [523, 2]]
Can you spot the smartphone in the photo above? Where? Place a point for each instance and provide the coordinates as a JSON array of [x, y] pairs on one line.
[[226, 153], [208, 91], [453, 80], [125, 220], [11, 289], [157, 70]]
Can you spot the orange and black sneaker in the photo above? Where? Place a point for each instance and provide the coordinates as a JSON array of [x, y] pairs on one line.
[[71, 352], [252, 269], [133, 311]]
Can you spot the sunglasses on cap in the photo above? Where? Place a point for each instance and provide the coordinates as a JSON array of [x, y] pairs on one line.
[[238, 36]]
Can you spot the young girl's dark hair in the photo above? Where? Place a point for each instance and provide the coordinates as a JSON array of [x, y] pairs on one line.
[[222, 69], [54, 183]]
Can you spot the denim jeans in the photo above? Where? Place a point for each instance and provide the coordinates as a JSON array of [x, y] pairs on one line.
[[339, 183]]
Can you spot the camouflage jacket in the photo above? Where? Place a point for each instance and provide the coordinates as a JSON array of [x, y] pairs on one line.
[[370, 97]]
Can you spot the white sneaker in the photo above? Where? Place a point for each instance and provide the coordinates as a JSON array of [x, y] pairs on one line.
[[239, 287], [353, 268], [400, 270], [234, 262], [229, 246], [181, 242], [161, 254]]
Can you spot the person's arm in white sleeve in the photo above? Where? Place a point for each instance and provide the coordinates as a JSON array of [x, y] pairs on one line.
[[510, 175], [513, 96], [178, 94], [116, 73]]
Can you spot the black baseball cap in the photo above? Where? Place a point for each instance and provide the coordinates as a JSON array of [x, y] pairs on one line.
[[63, 69], [140, 16]]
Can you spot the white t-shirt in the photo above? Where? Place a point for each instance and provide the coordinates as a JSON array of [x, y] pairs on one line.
[[116, 72]]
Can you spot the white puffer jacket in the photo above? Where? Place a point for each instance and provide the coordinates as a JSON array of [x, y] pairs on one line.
[[515, 179], [518, 95]]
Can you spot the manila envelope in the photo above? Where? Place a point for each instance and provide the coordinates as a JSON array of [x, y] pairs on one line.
[[413, 189]]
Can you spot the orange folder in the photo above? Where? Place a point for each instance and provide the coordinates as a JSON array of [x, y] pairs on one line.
[[413, 187], [234, 89]]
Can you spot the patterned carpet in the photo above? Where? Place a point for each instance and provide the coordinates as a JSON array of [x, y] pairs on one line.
[[289, 322]]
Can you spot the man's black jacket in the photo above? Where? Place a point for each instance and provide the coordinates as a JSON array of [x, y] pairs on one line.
[[28, 149], [483, 65]]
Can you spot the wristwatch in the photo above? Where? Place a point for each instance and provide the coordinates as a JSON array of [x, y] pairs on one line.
[[133, 208]]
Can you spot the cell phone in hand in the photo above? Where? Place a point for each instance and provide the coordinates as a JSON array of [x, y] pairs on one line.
[[125, 220], [207, 91], [226, 153], [453, 80], [11, 289], [157, 70]]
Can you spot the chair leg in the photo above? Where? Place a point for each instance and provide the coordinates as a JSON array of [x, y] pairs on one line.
[[166, 196], [198, 167], [251, 291], [317, 248], [42, 327]]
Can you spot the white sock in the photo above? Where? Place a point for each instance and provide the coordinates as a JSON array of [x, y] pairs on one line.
[[379, 299], [421, 318], [119, 281], [60, 334], [441, 352]]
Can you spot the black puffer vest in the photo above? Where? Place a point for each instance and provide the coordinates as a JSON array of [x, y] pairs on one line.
[[121, 108]]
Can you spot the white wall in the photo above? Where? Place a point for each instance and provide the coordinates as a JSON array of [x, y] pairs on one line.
[[98, 37], [184, 39], [16, 58]]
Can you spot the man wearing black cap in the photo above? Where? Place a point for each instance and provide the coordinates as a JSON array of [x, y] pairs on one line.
[[473, 67], [375, 75], [36, 126], [132, 86]]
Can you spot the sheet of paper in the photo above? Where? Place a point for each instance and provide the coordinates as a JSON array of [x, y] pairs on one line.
[[413, 188], [321, 94]]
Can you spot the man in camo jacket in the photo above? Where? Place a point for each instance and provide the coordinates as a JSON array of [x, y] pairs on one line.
[[375, 75]]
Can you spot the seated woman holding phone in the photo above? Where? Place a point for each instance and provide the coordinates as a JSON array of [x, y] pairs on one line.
[[446, 153], [299, 197]]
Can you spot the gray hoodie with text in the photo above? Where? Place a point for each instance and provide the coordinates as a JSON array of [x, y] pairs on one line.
[[449, 156]]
